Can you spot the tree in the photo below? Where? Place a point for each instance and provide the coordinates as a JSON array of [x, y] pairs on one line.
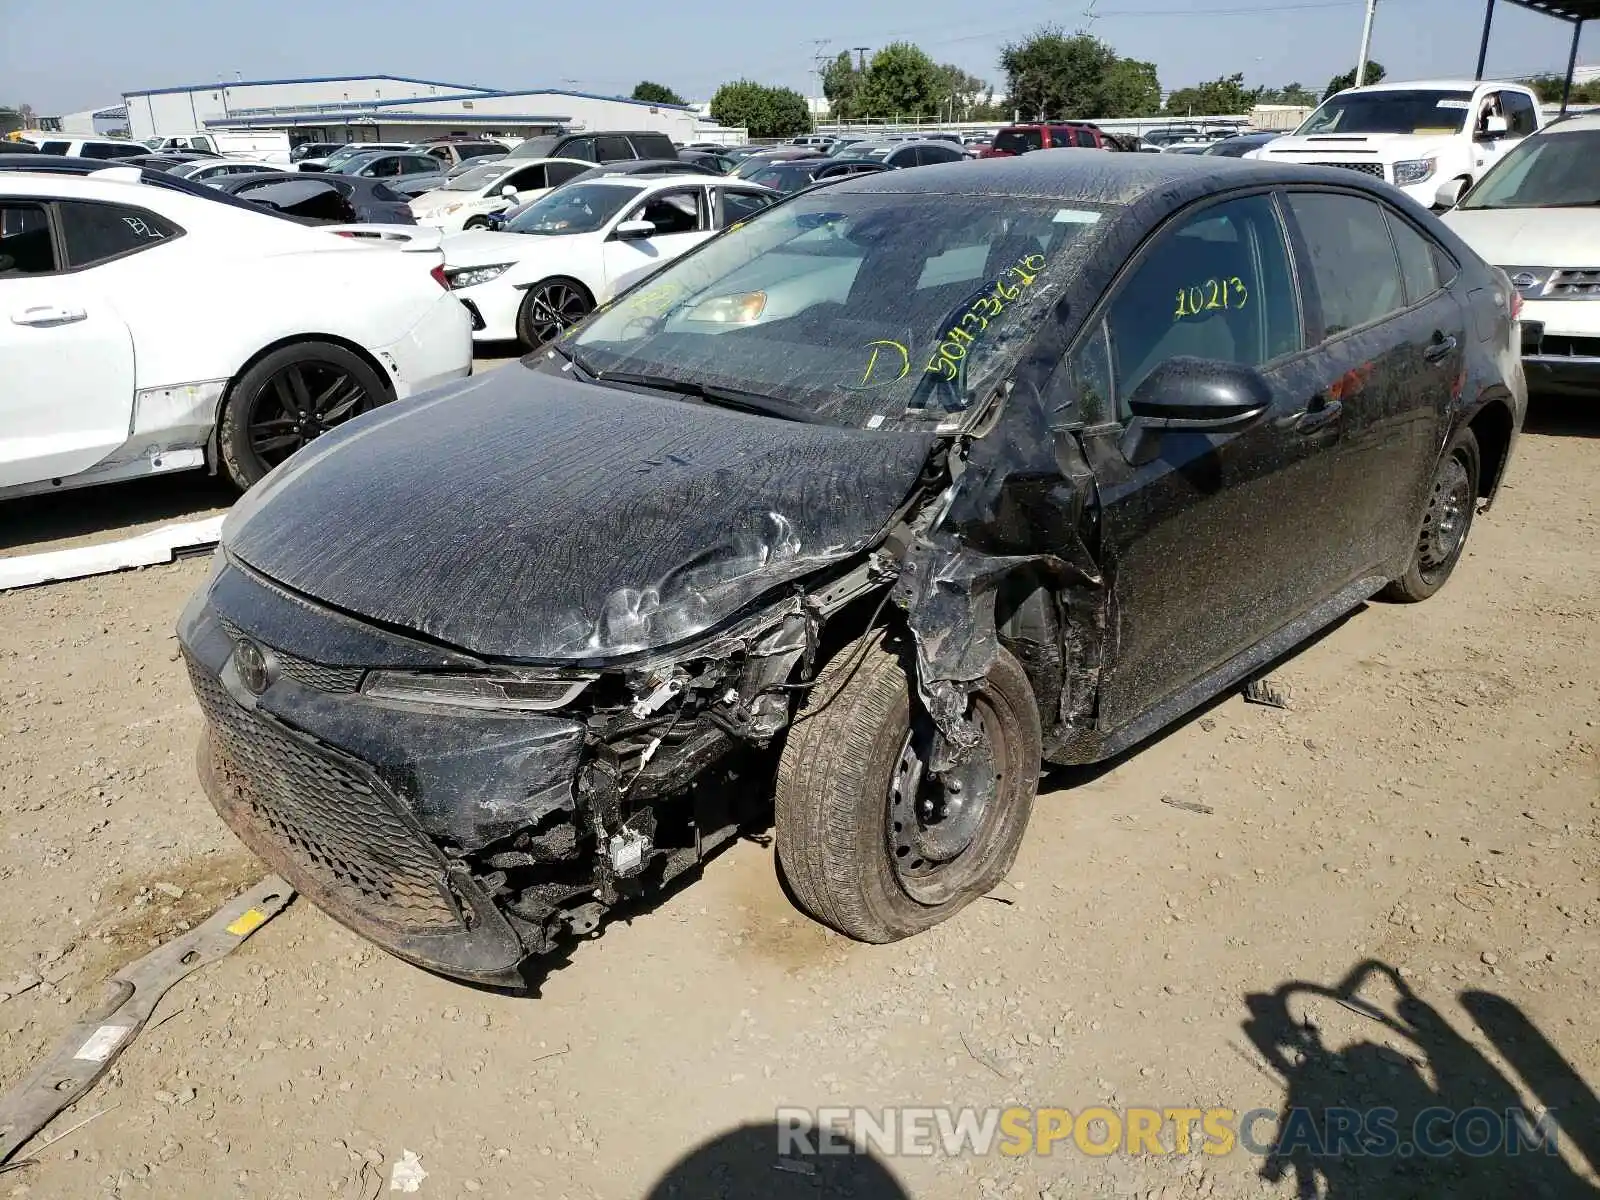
[[656, 93], [958, 90], [901, 81], [767, 112], [1220, 98], [1132, 89], [1549, 89], [1052, 76], [1290, 93], [841, 84], [1338, 83]]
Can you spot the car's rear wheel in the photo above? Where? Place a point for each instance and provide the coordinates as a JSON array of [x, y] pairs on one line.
[[549, 309], [868, 841], [1446, 521], [288, 399]]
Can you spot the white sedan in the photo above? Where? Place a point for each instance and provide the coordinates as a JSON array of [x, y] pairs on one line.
[[467, 200], [582, 244], [147, 330]]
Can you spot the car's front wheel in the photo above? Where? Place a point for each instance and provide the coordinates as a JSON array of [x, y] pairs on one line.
[[288, 399], [1446, 521], [549, 309], [869, 841]]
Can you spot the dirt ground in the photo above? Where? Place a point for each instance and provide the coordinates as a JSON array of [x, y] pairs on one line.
[[1429, 805]]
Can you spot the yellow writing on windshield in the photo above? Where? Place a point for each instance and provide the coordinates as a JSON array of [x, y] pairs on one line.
[[1005, 291], [893, 356], [1211, 295]]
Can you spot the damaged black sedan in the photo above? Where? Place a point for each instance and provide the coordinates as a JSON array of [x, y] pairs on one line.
[[864, 509]]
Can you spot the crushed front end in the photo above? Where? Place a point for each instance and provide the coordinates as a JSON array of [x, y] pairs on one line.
[[467, 815]]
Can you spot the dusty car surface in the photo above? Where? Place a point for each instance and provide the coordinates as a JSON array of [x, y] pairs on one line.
[[876, 502]]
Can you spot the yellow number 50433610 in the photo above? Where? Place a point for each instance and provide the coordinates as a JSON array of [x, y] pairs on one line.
[[1211, 295]]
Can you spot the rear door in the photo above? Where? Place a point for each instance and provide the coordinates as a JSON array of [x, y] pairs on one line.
[[66, 355], [682, 218], [614, 148], [1393, 344]]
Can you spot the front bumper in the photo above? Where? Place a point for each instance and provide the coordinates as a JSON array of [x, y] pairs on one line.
[[494, 304], [1556, 361], [368, 807], [437, 350]]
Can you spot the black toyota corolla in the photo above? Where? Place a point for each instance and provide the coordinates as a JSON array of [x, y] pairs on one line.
[[862, 510]]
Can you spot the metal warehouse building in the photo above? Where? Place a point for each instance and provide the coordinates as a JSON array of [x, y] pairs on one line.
[[394, 108]]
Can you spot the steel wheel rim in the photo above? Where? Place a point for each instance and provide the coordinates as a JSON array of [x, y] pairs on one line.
[[552, 309], [1444, 525], [935, 845], [300, 402]]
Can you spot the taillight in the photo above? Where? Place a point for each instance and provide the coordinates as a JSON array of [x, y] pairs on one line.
[[1516, 303], [439, 278]]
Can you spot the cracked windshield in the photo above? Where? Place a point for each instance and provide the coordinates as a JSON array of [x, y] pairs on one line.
[[857, 310]]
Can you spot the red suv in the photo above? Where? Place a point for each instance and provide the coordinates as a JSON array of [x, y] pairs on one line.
[[1019, 139]]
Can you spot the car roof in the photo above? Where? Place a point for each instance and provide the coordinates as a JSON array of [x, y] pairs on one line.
[[1437, 85], [1116, 179], [1575, 123]]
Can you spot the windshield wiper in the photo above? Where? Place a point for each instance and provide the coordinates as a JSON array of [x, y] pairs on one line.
[[720, 397]]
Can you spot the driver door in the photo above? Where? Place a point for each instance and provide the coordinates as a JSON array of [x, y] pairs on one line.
[[682, 218], [66, 356]]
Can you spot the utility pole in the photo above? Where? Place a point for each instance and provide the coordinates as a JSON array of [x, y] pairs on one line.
[[861, 57], [1366, 43], [819, 58]]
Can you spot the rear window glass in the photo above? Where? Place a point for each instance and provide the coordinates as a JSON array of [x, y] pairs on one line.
[[97, 232], [1018, 141], [25, 244]]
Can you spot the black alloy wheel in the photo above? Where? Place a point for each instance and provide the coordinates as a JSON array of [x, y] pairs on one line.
[[551, 308], [290, 398]]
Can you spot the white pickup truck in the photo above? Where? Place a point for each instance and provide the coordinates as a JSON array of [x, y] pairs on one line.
[[257, 145], [1421, 136]]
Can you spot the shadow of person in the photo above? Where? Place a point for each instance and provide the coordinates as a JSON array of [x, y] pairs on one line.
[[1428, 1116], [745, 1164]]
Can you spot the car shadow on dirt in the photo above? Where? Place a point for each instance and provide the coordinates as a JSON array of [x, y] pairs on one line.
[[1411, 1108], [110, 511], [1562, 416], [748, 1162]]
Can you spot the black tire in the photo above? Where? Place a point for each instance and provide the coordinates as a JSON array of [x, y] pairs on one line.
[[261, 420], [837, 795], [549, 308], [1446, 521]]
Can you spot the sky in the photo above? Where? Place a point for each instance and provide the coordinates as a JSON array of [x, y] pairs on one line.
[[68, 55]]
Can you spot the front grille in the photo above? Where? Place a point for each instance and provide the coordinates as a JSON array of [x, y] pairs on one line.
[[1573, 285], [1555, 345], [1373, 169], [339, 680], [340, 832]]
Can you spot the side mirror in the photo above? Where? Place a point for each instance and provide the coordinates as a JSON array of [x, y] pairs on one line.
[[1449, 194], [1494, 127], [1197, 393], [509, 192], [633, 231]]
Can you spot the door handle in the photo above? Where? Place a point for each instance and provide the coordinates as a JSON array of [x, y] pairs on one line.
[[48, 314], [1315, 420], [1441, 348]]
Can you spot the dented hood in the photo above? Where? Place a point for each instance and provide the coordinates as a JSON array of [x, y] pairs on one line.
[[527, 516]]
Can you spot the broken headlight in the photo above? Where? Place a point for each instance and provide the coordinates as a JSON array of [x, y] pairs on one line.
[[501, 691], [465, 277]]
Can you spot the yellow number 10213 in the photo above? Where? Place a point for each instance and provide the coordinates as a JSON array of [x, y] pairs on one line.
[[1210, 296]]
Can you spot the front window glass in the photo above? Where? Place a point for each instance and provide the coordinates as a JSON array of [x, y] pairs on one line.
[[1399, 111], [577, 208], [854, 310], [1218, 288], [1553, 170]]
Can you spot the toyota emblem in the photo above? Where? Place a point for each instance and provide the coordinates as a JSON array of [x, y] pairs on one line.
[[251, 664]]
